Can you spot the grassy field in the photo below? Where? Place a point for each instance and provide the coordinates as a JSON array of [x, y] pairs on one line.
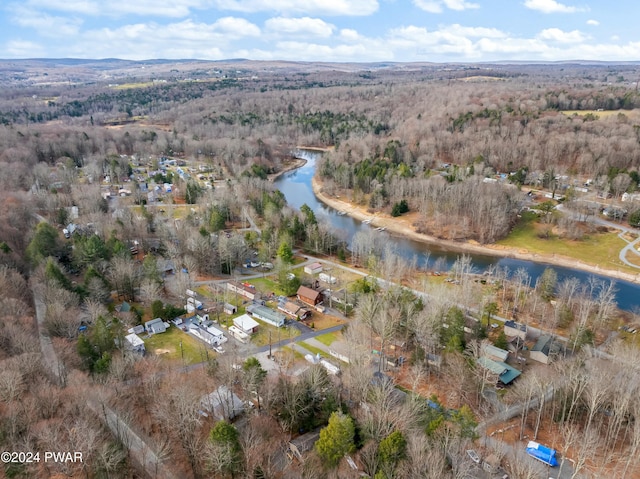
[[314, 350], [324, 321], [167, 345], [127, 86], [600, 114], [261, 337], [599, 249], [266, 285], [329, 338]]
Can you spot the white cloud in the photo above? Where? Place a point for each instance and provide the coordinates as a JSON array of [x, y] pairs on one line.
[[117, 8], [299, 26], [46, 25], [24, 49], [349, 35], [320, 7], [437, 6], [551, 6], [560, 36], [460, 4], [595, 23], [235, 27], [429, 6]]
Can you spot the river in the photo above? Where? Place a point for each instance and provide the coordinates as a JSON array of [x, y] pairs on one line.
[[296, 186]]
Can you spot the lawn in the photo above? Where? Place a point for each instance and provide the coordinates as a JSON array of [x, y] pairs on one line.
[[329, 338], [313, 350], [261, 337], [601, 249], [167, 345], [267, 285], [127, 86], [323, 321]]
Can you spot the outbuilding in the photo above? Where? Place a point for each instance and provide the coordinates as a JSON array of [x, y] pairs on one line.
[[313, 268]]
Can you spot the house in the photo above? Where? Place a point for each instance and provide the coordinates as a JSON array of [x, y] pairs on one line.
[[505, 373], [243, 289], [210, 335], [222, 404], [309, 296], [546, 349], [134, 344], [266, 314], [165, 266], [246, 324], [229, 308], [155, 326], [495, 353], [292, 309], [511, 328], [313, 268]]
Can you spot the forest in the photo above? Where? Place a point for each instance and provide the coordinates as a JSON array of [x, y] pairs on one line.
[[135, 189]]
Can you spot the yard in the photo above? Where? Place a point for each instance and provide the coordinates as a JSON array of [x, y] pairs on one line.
[[329, 338], [599, 249], [261, 337], [178, 345]]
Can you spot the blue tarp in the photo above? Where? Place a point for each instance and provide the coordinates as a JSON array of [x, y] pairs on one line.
[[542, 453]]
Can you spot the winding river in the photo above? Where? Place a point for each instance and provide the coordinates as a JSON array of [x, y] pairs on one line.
[[296, 186]]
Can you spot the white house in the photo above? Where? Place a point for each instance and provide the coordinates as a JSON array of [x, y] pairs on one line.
[[134, 343], [155, 326], [246, 324]]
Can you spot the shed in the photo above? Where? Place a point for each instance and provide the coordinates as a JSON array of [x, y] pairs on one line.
[[546, 349], [222, 403], [246, 324], [511, 328], [313, 268], [308, 295], [495, 353], [230, 308], [266, 314], [155, 326]]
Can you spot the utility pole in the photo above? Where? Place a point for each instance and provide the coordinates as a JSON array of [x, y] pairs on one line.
[[270, 356]]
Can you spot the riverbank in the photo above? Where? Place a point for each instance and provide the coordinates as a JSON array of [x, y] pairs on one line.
[[294, 165], [403, 226]]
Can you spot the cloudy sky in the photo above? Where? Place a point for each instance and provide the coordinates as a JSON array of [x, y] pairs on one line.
[[322, 30]]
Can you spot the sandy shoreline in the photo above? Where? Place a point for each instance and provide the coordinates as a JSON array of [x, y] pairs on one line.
[[298, 163], [402, 227]]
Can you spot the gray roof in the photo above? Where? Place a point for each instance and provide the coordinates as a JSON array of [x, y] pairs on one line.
[[546, 345]]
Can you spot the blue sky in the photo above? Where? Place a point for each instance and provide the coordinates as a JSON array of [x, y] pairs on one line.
[[323, 30]]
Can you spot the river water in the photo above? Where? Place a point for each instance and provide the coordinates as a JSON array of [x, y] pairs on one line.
[[296, 186]]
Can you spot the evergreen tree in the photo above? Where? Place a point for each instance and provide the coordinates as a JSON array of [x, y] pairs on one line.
[[336, 439]]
